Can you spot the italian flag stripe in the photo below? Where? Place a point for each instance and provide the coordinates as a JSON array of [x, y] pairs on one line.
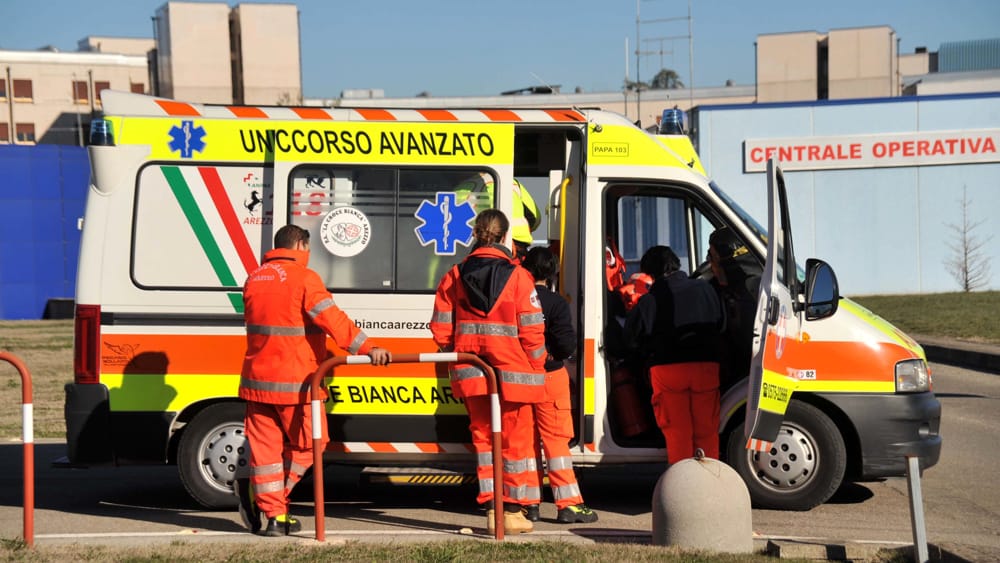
[[198, 224], [229, 219]]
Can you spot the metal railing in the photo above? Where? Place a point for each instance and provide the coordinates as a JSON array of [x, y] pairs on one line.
[[317, 412], [29, 446]]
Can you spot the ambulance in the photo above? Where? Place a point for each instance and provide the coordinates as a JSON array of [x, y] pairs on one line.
[[184, 199]]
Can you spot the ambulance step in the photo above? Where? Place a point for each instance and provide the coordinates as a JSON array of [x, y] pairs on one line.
[[416, 476]]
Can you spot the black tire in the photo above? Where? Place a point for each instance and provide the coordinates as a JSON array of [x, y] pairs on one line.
[[804, 467], [211, 448]]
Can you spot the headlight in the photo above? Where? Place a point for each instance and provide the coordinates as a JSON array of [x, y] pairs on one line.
[[912, 376]]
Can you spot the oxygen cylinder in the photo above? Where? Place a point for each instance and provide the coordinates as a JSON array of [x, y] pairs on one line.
[[628, 403]]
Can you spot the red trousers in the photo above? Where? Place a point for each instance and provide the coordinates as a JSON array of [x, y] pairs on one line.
[[519, 469], [553, 431], [280, 438], [686, 404]]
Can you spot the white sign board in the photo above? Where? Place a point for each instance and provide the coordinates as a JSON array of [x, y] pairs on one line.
[[924, 148]]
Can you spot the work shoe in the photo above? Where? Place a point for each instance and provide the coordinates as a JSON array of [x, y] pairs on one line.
[[282, 525], [513, 522], [249, 512], [531, 512], [576, 514]]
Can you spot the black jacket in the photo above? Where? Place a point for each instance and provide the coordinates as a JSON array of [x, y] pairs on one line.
[[560, 338]]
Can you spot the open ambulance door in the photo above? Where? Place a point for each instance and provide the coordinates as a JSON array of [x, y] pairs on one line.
[[776, 322], [783, 305]]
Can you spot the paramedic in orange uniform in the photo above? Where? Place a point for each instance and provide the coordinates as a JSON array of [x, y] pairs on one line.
[[288, 314], [487, 305], [676, 328], [554, 415]]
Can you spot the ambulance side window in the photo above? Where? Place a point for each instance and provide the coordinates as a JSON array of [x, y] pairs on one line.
[[649, 219], [385, 228]]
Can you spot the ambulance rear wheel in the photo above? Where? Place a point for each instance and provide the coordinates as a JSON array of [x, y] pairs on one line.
[[211, 449], [804, 466]]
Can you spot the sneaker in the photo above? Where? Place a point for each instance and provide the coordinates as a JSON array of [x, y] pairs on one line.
[[249, 512], [576, 514], [531, 512], [282, 525], [513, 523]]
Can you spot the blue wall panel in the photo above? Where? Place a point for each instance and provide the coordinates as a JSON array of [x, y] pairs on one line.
[[42, 193]]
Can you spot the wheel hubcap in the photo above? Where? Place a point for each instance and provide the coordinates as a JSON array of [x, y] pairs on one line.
[[223, 451], [790, 463]]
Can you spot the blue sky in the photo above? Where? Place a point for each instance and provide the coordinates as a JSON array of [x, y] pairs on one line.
[[471, 47]]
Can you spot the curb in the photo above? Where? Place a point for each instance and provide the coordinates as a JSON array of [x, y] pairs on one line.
[[972, 355]]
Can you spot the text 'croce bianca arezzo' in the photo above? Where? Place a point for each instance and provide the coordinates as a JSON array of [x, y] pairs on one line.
[[873, 151]]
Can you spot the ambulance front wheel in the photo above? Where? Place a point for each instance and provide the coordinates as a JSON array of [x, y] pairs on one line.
[[211, 449], [804, 466]]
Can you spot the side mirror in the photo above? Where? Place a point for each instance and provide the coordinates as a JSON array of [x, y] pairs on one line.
[[822, 292]]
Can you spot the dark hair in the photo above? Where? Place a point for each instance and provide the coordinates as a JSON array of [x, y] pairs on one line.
[[542, 263], [659, 260], [287, 236], [726, 243], [491, 226]]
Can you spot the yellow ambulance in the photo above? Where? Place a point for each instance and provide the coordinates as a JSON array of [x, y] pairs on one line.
[[184, 199]]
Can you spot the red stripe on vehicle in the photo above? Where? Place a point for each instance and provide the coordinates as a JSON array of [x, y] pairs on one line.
[[500, 115], [564, 114], [375, 114], [437, 115], [244, 111], [311, 113], [232, 223], [177, 108]]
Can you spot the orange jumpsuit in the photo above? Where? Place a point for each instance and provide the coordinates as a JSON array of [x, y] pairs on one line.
[[288, 313], [487, 306]]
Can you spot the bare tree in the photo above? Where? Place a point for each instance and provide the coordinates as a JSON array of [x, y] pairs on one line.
[[968, 264]]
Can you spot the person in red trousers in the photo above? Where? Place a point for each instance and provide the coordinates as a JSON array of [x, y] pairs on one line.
[[488, 306], [554, 415], [676, 327], [288, 314]]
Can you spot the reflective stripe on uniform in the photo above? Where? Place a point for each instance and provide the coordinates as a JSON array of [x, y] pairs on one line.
[[486, 486], [531, 319], [357, 342], [566, 491], [323, 305], [522, 378], [519, 465], [525, 492], [275, 386], [559, 463], [466, 373], [272, 330], [267, 469], [486, 329], [538, 353], [441, 317], [484, 458], [269, 487]]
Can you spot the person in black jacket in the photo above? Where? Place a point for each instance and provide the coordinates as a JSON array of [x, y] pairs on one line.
[[554, 415], [675, 329], [736, 278]]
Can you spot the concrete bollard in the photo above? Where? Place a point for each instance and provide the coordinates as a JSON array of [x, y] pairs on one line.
[[702, 504]]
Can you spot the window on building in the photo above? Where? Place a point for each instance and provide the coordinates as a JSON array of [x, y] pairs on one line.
[[138, 88], [80, 94], [23, 91], [25, 132], [3, 90], [4, 133], [100, 86]]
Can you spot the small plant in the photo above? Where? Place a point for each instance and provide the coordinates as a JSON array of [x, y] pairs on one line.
[[968, 264]]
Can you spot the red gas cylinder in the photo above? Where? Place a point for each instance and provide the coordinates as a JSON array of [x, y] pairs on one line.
[[630, 413]]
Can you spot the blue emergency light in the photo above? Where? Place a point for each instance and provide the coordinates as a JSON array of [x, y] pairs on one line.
[[672, 122]]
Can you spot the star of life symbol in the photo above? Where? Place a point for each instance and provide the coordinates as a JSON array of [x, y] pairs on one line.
[[187, 138], [444, 223]]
